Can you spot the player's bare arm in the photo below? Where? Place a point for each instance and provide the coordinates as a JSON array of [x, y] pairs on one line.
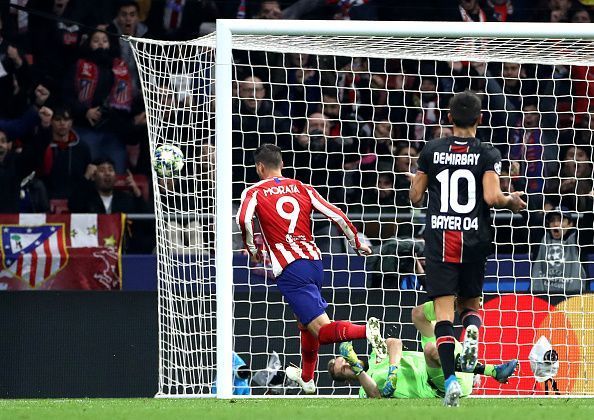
[[418, 187], [494, 197]]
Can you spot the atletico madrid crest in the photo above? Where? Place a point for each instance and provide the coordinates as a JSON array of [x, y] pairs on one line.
[[34, 253]]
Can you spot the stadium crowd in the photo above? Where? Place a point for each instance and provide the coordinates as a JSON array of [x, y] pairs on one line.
[[73, 128]]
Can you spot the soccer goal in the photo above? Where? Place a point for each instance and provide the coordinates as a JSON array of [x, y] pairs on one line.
[[351, 104]]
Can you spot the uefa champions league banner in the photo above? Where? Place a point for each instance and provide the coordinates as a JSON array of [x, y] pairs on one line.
[[61, 252]]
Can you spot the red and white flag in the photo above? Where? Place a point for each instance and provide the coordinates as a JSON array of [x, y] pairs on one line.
[[67, 252]]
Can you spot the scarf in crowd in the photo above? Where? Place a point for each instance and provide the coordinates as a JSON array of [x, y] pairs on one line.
[[501, 11], [529, 151], [55, 148], [173, 13], [87, 78], [241, 10]]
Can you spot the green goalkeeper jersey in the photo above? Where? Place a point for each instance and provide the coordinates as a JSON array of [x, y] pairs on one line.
[[413, 377]]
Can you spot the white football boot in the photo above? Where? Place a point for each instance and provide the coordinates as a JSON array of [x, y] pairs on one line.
[[374, 336], [294, 374], [469, 355]]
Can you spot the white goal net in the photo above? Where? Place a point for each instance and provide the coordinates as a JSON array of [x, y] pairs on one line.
[[351, 113]]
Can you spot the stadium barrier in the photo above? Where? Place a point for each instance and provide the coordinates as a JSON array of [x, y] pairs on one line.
[[104, 344]]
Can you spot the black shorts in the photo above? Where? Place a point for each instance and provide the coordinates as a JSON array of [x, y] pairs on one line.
[[450, 279]]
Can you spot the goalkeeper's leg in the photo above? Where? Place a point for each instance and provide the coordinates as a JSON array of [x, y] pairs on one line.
[[501, 373]]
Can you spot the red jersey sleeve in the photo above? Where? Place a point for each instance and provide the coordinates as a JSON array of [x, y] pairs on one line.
[[245, 218], [335, 215]]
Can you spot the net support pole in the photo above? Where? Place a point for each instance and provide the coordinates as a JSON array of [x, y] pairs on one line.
[[223, 250]]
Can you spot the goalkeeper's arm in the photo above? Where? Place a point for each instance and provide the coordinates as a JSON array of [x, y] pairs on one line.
[[369, 385]]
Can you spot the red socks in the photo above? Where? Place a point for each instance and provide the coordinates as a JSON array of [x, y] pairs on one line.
[[335, 332], [338, 331], [309, 354]]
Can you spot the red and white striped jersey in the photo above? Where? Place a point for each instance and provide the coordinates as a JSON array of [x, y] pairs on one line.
[[283, 207]]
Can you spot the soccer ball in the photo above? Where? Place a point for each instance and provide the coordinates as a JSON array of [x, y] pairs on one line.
[[169, 160]]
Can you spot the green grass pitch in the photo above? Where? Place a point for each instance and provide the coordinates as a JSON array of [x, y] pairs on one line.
[[303, 409]]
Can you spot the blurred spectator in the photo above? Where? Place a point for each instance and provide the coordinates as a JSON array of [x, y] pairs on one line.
[[471, 11], [426, 112], [515, 83], [526, 152], [557, 267], [505, 180], [405, 164], [343, 146], [17, 128], [127, 22], [455, 76], [440, 131], [16, 24], [301, 94], [583, 133], [96, 193], [380, 198], [17, 176], [269, 9], [582, 92], [557, 11], [580, 14], [354, 9], [574, 188], [371, 95], [338, 9], [15, 79], [313, 163], [54, 43], [377, 151], [343, 121], [99, 90], [501, 10], [181, 19], [383, 135], [23, 126], [506, 93], [65, 159], [255, 122]]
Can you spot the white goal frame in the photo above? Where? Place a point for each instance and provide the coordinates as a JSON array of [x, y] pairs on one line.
[[225, 31]]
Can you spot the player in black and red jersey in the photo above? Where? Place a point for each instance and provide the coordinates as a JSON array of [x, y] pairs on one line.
[[461, 175]]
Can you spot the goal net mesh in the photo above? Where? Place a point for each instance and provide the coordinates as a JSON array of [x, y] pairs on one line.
[[351, 114]]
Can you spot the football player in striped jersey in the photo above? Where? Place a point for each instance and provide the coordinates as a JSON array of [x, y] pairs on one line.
[[283, 207]]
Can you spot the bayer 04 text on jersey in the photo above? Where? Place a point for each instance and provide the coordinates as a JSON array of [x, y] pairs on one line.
[[447, 222]]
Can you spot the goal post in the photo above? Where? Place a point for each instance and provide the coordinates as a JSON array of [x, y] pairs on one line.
[[245, 298], [224, 244]]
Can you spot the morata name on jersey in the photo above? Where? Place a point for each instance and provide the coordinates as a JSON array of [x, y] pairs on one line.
[[445, 158], [281, 189]]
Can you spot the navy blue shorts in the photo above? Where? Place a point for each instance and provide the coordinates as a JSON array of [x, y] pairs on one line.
[[301, 285]]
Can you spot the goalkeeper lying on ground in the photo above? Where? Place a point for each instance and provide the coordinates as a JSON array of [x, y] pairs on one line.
[[409, 374]]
